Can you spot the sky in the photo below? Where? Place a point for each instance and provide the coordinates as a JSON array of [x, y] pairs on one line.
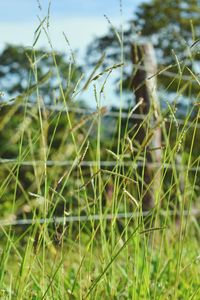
[[80, 20]]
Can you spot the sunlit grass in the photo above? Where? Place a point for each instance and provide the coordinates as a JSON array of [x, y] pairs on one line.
[[149, 255]]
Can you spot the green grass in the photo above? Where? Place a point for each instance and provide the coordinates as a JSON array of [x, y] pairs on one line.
[[155, 256]]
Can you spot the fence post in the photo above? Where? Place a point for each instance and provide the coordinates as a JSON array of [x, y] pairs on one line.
[[144, 86]]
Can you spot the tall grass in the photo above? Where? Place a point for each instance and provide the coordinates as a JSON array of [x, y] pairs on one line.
[[146, 255]]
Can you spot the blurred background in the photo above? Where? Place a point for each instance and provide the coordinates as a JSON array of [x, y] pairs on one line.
[[100, 136]]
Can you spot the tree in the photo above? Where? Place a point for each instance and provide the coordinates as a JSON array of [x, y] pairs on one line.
[[173, 27], [21, 68], [26, 74]]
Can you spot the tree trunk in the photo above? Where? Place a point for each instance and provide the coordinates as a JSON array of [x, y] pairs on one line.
[[144, 85]]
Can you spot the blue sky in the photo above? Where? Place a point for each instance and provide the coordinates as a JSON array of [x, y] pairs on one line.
[[26, 9], [81, 20]]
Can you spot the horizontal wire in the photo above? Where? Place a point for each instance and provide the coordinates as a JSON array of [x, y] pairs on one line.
[[97, 217], [108, 113], [166, 73], [91, 163]]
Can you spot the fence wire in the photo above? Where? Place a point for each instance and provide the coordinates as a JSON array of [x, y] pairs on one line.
[[106, 113], [91, 163], [97, 217]]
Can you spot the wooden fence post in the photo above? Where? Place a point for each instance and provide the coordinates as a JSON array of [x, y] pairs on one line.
[[144, 85]]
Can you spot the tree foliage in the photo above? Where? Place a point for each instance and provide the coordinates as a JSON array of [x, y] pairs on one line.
[[174, 29], [21, 68]]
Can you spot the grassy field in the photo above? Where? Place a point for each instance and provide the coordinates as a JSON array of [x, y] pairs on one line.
[[72, 224]]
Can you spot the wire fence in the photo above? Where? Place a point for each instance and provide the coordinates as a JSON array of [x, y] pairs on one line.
[[105, 163], [108, 113], [104, 113], [84, 111], [62, 163], [97, 217]]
